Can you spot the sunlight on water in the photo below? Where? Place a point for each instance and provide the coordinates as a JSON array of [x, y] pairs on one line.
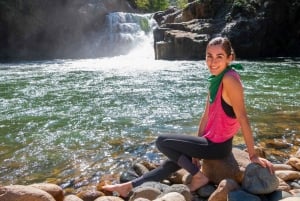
[[68, 116]]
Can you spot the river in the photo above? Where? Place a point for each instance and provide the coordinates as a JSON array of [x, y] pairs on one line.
[[65, 118]]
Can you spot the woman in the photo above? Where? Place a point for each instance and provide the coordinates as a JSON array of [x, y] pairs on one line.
[[224, 115]]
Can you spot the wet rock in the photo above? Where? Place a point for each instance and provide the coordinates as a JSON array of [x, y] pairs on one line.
[[173, 196], [298, 153], [89, 195], [180, 44], [128, 176], [196, 198], [259, 180], [167, 182], [181, 177], [278, 144], [282, 167], [181, 189], [161, 16], [283, 186], [52, 189], [140, 169], [223, 189], [149, 166], [144, 192], [23, 193], [142, 199], [291, 199], [294, 185], [109, 198], [242, 195], [277, 195], [160, 186], [288, 175], [72, 198], [294, 162], [81, 182], [67, 184], [206, 190]]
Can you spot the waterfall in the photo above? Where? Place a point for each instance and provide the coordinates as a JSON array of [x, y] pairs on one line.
[[125, 31]]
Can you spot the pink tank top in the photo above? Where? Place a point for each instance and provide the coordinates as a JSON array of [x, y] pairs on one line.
[[220, 127]]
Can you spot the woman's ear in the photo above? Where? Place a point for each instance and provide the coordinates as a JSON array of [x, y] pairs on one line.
[[230, 58]]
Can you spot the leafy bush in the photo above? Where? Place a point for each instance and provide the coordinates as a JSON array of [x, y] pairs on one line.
[[144, 24], [181, 3], [152, 5]]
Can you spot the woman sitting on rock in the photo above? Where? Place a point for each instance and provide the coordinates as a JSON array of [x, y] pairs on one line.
[[224, 115]]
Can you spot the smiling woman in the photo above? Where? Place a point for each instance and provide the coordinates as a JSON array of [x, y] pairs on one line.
[[216, 128]]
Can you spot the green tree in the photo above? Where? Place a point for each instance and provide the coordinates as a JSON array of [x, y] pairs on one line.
[[181, 3], [142, 4], [152, 5], [160, 4]]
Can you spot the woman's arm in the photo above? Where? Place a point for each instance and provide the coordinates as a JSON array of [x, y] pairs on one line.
[[203, 120], [233, 94], [201, 128]]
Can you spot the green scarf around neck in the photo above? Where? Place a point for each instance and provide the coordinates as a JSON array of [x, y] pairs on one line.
[[215, 81]]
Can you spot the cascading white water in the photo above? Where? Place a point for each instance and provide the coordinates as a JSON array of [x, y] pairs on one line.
[[124, 31]]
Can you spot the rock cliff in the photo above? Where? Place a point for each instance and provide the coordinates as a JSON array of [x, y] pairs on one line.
[[257, 28]]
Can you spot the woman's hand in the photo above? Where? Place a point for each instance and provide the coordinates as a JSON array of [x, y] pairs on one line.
[[196, 162], [263, 162]]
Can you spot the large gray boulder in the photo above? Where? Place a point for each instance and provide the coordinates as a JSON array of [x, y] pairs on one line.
[[259, 180]]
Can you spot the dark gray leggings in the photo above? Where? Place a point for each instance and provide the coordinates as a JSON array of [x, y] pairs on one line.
[[180, 149]]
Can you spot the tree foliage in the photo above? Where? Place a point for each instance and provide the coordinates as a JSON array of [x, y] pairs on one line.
[[152, 5], [181, 3]]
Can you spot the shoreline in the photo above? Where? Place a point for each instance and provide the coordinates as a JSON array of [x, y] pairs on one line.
[[288, 176]]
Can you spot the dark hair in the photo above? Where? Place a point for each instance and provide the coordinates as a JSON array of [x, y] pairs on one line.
[[226, 44]]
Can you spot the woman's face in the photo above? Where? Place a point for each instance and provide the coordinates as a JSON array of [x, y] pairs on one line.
[[217, 59]]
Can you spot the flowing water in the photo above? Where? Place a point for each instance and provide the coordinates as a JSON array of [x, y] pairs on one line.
[[65, 118]]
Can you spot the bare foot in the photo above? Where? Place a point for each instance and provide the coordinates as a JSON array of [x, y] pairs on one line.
[[122, 189], [198, 181]]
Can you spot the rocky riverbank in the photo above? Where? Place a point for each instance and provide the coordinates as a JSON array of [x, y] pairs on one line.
[[231, 179]]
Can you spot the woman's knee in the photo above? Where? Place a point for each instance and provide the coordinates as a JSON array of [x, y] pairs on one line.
[[160, 141]]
